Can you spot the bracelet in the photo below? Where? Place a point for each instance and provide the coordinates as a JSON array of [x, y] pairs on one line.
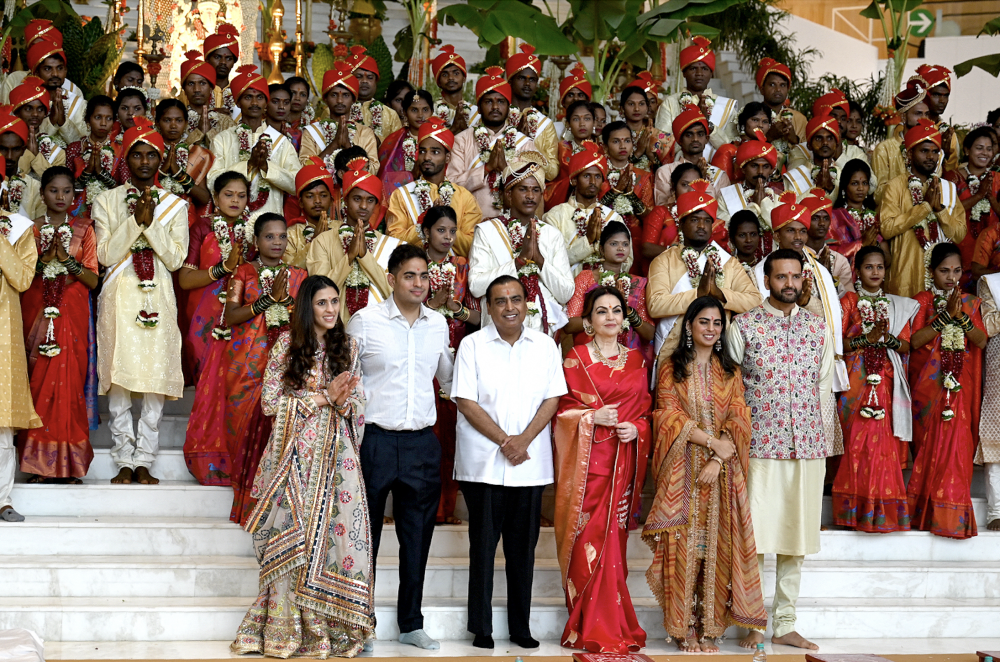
[[965, 323], [342, 409], [39, 265], [218, 271], [893, 343], [858, 342], [633, 318], [463, 314], [941, 320], [72, 266], [261, 304]]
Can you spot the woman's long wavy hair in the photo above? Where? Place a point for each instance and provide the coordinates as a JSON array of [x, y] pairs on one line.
[[684, 355], [302, 352]]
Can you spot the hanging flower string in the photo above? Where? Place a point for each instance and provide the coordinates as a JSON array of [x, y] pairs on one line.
[[240, 234], [442, 277], [952, 355], [276, 315], [873, 309], [927, 230], [529, 274], [357, 282], [54, 276], [690, 258], [422, 189], [144, 262], [508, 136]]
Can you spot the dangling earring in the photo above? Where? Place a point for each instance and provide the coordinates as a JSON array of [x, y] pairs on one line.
[[588, 329], [688, 343], [718, 345]]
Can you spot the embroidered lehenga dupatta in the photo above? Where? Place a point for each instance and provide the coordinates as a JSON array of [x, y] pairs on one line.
[[704, 566], [598, 497], [310, 525]]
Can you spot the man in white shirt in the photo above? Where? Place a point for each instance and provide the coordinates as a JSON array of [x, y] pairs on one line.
[[403, 346], [508, 380]]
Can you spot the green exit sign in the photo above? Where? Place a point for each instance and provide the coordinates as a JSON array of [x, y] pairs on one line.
[[921, 22]]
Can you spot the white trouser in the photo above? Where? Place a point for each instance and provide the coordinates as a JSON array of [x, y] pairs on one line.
[[8, 465], [992, 491], [133, 450]]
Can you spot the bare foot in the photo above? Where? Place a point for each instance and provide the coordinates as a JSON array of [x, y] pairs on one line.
[[388, 520], [752, 639], [795, 639], [143, 477], [124, 477], [708, 646], [994, 525]]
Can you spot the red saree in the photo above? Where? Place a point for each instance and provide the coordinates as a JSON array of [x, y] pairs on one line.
[[247, 428], [598, 497], [869, 493], [844, 235], [61, 447], [392, 160], [939, 491], [584, 283], [985, 219], [701, 535]]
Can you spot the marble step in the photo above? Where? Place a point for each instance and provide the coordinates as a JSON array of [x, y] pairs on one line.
[[102, 499], [201, 619], [75, 576]]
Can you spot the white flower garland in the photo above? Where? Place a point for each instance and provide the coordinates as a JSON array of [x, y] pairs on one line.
[[690, 258], [447, 113]]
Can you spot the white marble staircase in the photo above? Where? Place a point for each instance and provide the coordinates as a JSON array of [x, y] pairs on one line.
[[139, 563]]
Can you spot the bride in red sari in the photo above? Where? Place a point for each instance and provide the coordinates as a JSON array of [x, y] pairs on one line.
[[602, 441], [397, 155]]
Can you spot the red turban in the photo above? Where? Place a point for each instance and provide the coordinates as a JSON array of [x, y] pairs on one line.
[[697, 199], [444, 58], [39, 28], [935, 74], [924, 131], [789, 211], [226, 36], [592, 155], [832, 99], [342, 74], [756, 149], [644, 81], [41, 49], [698, 51], [771, 66], [142, 132], [358, 177], [11, 124], [195, 65], [313, 171], [248, 79], [817, 201], [689, 116], [493, 81], [360, 59], [526, 59], [822, 121], [434, 128], [577, 77], [30, 89]]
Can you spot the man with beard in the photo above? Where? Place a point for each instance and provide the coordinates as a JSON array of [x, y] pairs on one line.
[[408, 204], [820, 165], [918, 210], [222, 52], [938, 79], [198, 85], [325, 138], [450, 73], [690, 130], [480, 156], [684, 272], [523, 70], [758, 192], [779, 342], [367, 110], [582, 217], [889, 159]]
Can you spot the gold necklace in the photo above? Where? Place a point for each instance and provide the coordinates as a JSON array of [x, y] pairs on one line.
[[618, 362]]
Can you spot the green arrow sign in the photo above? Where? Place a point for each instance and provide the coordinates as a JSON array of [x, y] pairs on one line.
[[921, 22]]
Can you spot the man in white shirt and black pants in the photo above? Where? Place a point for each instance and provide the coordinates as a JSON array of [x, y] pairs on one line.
[[403, 347], [508, 379]]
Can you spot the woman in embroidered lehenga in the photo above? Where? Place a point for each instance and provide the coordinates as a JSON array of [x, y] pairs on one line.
[[259, 296], [704, 572], [317, 598], [602, 439], [397, 156]]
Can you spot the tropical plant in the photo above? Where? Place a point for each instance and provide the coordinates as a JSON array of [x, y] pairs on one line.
[[988, 63], [866, 93], [894, 17], [495, 20]]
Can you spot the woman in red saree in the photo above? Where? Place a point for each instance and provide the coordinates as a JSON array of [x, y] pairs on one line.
[[95, 158], [946, 380], [853, 221], [869, 493], [258, 308], [216, 248], [58, 347], [601, 447], [397, 155], [704, 572]]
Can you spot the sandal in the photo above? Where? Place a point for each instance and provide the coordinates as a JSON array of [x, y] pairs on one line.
[[37, 479]]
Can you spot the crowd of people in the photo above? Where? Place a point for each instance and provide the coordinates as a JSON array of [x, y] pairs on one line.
[[412, 297]]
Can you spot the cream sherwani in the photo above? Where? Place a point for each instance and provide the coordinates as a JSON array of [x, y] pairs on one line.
[[800, 164], [662, 187], [546, 142], [467, 167], [723, 117], [492, 256], [281, 167], [404, 214], [139, 359], [734, 198], [670, 292], [326, 257], [75, 126], [314, 142], [899, 217], [31, 203], [578, 248], [297, 247], [390, 120], [888, 161], [36, 164]]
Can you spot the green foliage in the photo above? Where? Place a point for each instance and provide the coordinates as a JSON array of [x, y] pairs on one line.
[[864, 92], [403, 43], [99, 64], [491, 59], [988, 63], [322, 61], [670, 21], [495, 20]]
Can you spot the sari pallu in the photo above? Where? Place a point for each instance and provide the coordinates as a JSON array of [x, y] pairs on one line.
[[975, 227], [598, 498], [730, 590], [310, 523], [392, 161], [247, 428], [940, 488], [844, 235], [61, 447]]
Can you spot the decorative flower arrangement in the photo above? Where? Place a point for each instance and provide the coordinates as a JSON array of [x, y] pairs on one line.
[[508, 136], [873, 309], [952, 355], [357, 282], [168, 182], [863, 218], [690, 98], [442, 277], [194, 120], [15, 193], [422, 190], [409, 152], [815, 170], [144, 262], [580, 218], [529, 273], [54, 276], [447, 113], [690, 258], [927, 229], [530, 125], [276, 315]]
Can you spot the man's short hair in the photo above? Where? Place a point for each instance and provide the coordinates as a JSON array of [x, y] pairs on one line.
[[503, 280], [781, 254], [405, 253]]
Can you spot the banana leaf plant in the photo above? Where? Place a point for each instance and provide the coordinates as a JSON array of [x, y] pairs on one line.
[[988, 63], [495, 20], [894, 17]]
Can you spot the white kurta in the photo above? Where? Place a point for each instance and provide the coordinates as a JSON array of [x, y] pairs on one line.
[[75, 126], [578, 248], [281, 167], [139, 359]]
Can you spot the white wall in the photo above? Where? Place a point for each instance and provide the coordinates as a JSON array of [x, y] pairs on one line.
[[840, 54]]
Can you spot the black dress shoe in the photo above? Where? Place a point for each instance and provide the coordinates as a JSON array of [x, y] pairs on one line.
[[524, 642], [483, 641]]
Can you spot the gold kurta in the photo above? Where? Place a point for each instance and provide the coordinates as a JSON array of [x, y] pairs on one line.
[[390, 120], [888, 162], [17, 266], [295, 251], [401, 217], [139, 359], [898, 217], [31, 204], [326, 257], [37, 163], [281, 167], [363, 138]]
